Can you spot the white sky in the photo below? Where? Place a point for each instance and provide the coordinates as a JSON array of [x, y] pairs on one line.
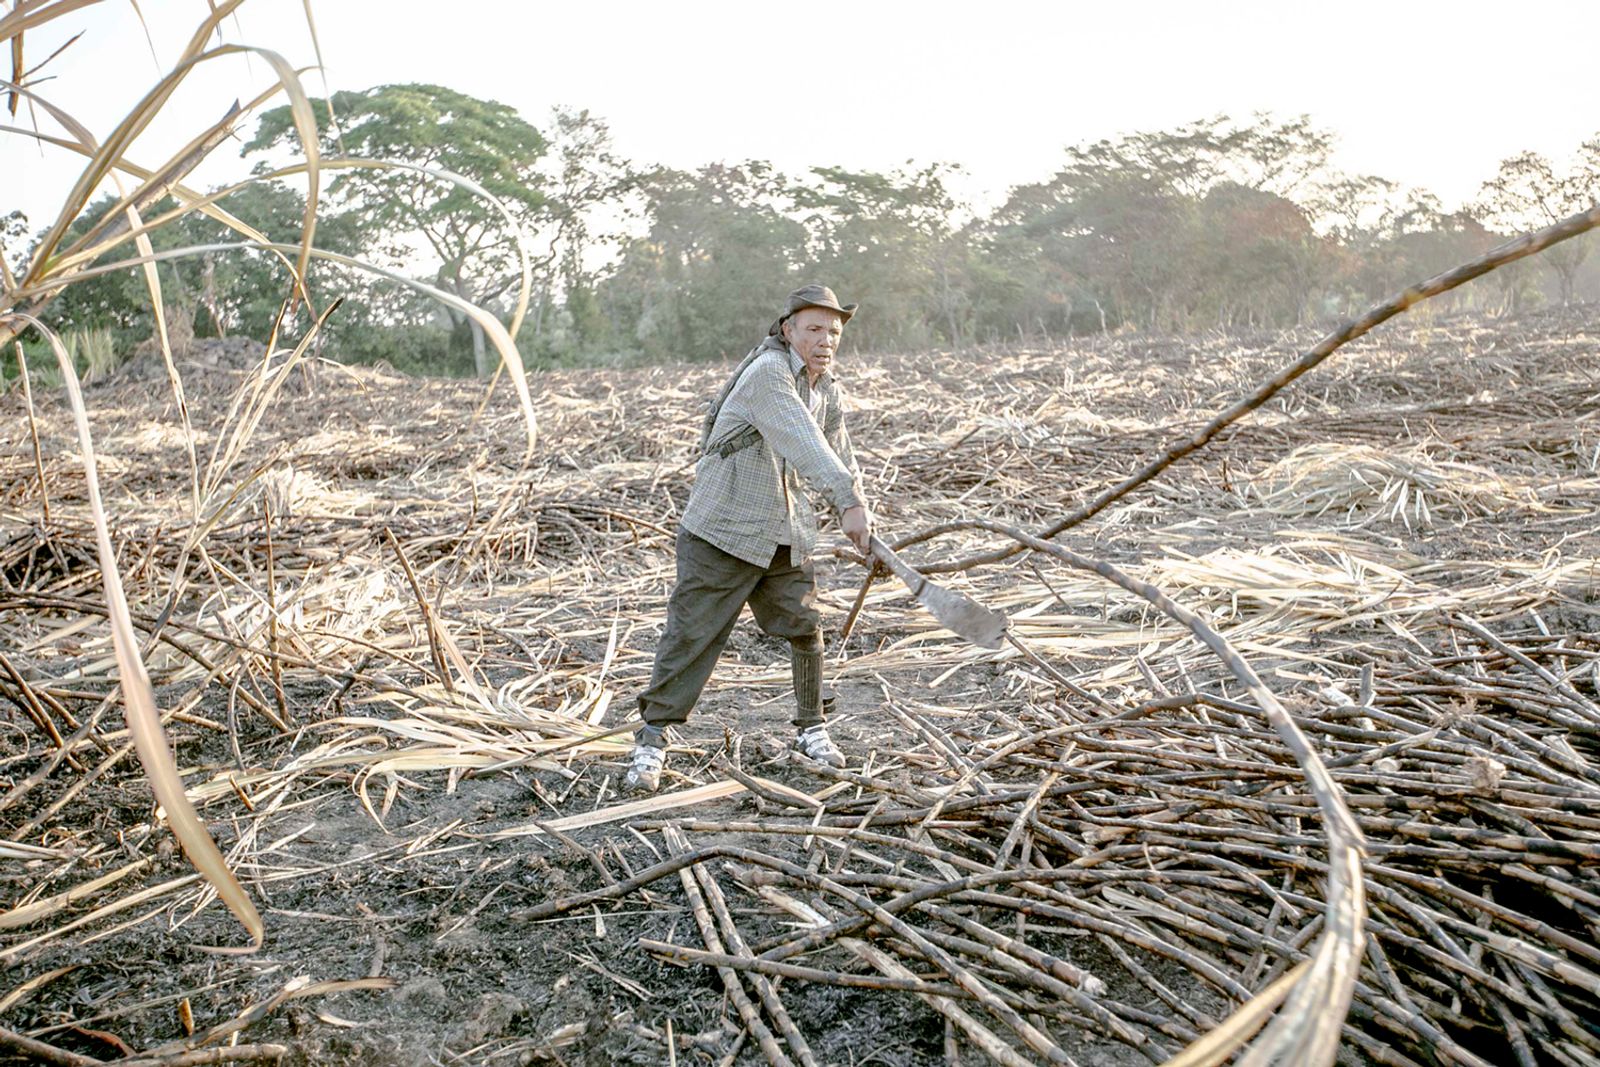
[[1427, 93]]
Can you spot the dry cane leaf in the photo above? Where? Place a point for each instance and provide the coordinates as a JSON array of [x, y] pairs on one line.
[[144, 720]]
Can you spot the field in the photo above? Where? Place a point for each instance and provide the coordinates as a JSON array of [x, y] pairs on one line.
[[398, 666]]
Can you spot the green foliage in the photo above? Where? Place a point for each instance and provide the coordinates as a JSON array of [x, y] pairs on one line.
[[430, 349], [1170, 230], [220, 293], [889, 241], [394, 212], [1215, 224], [1259, 255], [43, 371], [701, 283], [1529, 191], [93, 352], [13, 235]]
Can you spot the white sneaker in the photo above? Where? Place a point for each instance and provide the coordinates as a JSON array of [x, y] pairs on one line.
[[814, 743], [644, 773]]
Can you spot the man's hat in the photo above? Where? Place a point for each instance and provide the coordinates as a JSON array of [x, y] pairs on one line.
[[811, 296]]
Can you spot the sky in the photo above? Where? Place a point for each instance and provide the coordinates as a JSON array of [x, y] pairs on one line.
[[1428, 94]]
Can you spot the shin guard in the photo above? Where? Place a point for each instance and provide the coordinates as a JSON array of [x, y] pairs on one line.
[[806, 667]]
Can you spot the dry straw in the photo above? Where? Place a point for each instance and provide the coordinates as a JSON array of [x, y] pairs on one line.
[[1114, 783], [54, 264]]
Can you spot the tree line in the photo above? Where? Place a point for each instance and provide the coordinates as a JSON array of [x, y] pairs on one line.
[[1217, 224]]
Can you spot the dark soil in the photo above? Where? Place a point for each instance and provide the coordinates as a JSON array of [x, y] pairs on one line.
[[472, 983]]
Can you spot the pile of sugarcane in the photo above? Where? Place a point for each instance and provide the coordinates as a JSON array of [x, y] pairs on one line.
[[1134, 873]]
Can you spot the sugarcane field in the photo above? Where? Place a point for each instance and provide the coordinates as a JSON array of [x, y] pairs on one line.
[[1181, 638]]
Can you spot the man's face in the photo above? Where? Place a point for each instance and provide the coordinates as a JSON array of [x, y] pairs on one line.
[[814, 333]]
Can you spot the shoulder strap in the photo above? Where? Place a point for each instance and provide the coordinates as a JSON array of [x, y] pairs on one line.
[[727, 391]]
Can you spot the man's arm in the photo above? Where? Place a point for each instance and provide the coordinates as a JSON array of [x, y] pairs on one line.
[[774, 407], [854, 523]]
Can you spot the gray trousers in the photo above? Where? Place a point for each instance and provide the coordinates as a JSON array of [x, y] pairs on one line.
[[713, 588]]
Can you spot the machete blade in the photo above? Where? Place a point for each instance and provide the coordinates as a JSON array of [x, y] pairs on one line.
[[956, 612]]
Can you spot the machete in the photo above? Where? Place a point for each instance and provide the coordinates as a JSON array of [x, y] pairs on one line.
[[956, 612]]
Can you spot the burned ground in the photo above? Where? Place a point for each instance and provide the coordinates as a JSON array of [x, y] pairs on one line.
[[1403, 545]]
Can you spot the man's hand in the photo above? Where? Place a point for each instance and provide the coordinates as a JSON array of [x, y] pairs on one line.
[[856, 523]]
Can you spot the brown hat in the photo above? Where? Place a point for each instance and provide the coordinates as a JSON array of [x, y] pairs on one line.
[[811, 296]]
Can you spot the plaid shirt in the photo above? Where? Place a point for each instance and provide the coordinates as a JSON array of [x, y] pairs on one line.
[[750, 502]]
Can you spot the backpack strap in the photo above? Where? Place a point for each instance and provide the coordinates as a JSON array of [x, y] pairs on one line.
[[749, 435], [737, 441]]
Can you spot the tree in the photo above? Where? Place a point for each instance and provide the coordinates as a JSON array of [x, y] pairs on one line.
[[1034, 277], [1442, 241], [1529, 193], [1285, 158], [1166, 229], [1113, 225], [591, 192], [13, 231], [216, 293], [889, 241], [1259, 257], [1374, 231], [719, 251], [1347, 206], [394, 211]]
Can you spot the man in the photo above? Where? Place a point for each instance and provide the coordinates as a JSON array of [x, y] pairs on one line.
[[748, 532]]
